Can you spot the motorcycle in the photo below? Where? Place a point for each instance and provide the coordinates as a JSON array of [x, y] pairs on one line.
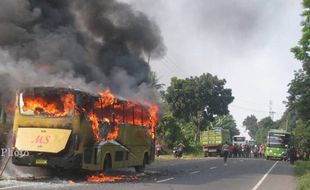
[[177, 152], [158, 151]]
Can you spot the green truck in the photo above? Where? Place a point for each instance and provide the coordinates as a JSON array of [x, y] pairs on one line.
[[212, 141]]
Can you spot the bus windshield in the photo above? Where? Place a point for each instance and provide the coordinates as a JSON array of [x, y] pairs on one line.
[[239, 139], [278, 139], [46, 103]]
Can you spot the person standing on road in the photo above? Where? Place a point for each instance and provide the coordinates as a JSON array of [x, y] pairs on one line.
[[225, 150], [292, 154], [158, 148]]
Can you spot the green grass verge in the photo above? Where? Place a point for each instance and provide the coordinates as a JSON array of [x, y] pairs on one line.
[[302, 171]]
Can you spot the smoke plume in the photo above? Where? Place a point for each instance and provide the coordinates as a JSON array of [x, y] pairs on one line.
[[88, 45]]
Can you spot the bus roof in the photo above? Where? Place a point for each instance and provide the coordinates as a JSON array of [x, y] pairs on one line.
[[42, 89], [278, 131]]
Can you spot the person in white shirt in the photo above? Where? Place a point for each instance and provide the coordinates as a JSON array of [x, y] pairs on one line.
[[225, 150]]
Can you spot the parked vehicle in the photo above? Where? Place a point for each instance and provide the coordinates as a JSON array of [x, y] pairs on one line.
[[239, 140], [213, 140]]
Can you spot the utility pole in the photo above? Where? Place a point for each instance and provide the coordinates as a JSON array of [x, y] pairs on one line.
[[271, 112]]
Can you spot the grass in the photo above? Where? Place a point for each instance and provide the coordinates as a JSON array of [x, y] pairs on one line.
[[302, 171]]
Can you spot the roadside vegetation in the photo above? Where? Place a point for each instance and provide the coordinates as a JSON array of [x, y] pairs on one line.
[[192, 105], [296, 118], [302, 171]]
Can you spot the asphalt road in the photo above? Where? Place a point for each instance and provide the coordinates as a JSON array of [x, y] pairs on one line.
[[206, 174]]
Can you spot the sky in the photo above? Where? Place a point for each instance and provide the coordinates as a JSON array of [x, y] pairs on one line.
[[246, 42]]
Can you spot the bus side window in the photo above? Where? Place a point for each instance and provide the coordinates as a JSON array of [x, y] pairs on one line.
[[98, 109], [118, 110], [146, 118], [138, 113], [128, 114], [103, 130]]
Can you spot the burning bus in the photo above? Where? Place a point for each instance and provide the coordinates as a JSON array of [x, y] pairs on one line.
[[71, 129]]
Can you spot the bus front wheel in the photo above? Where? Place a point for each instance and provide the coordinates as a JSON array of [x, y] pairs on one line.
[[107, 163], [141, 168]]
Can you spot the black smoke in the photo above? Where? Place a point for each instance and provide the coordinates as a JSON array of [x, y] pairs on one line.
[[93, 41]]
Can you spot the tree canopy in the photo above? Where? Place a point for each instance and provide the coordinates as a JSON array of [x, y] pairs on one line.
[[204, 96], [250, 123], [226, 122], [198, 99], [264, 125], [299, 88]]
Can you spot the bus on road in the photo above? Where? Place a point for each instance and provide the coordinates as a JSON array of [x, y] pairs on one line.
[[70, 129], [278, 142], [239, 140]]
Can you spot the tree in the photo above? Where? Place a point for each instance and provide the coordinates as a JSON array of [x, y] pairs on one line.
[[198, 99], [288, 120], [302, 134], [299, 88], [226, 122], [154, 81], [264, 125], [299, 98], [250, 123], [169, 131], [301, 51]]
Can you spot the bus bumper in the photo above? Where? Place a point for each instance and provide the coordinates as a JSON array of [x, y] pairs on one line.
[[69, 162]]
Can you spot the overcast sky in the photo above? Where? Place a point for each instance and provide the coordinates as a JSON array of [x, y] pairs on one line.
[[245, 42]]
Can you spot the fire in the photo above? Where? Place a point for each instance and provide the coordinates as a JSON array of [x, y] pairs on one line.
[[104, 178], [154, 119], [53, 108], [107, 97], [106, 100], [105, 114], [95, 124]]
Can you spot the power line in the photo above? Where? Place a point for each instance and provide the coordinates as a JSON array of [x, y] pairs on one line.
[[253, 110], [248, 109]]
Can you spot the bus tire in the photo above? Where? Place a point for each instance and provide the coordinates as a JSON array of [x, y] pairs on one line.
[[141, 168], [206, 154], [107, 164]]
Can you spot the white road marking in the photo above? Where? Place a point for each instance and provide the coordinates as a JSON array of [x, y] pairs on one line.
[[164, 180], [194, 172], [263, 178], [212, 168], [16, 186]]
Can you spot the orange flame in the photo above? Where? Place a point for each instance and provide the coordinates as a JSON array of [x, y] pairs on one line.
[[39, 104], [95, 124], [148, 118], [154, 119], [104, 178], [144, 114]]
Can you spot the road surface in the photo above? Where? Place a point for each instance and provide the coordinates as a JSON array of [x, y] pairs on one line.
[[204, 174]]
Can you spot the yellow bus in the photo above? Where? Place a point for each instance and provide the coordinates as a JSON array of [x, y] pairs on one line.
[[70, 129]]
